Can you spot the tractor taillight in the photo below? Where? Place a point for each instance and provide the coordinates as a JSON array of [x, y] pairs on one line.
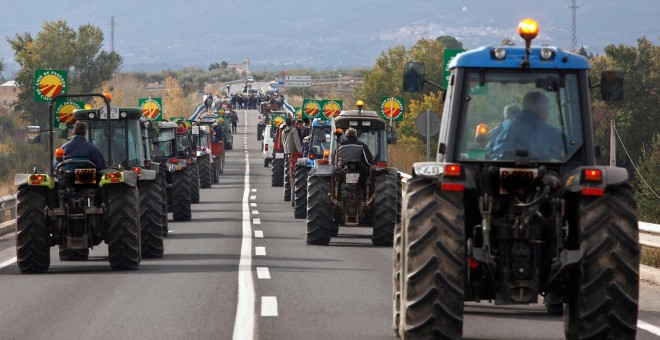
[[453, 186], [266, 147], [593, 192], [474, 264], [311, 156], [188, 161], [593, 175], [137, 170], [382, 164], [174, 160], [452, 170], [322, 161]]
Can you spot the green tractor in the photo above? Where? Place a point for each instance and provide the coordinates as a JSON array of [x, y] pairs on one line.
[[342, 191], [77, 207]]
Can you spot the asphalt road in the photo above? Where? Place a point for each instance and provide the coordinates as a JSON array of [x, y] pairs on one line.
[[283, 290]]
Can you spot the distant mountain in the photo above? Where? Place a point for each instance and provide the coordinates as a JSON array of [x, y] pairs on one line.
[[153, 35]]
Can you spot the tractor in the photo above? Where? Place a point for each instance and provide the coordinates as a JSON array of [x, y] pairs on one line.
[[315, 146], [278, 158], [516, 207], [211, 150], [342, 191]]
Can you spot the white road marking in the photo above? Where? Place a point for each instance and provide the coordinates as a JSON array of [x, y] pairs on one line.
[[263, 273], [8, 262], [260, 251], [640, 324], [268, 306], [253, 205], [254, 189], [258, 234], [252, 198], [256, 221], [255, 212], [171, 231], [244, 322]]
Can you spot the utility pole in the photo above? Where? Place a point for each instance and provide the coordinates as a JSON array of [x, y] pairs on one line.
[[112, 33], [574, 41]]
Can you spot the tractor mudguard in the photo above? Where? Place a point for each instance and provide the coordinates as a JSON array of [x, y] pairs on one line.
[[148, 175], [322, 170], [435, 171], [46, 181], [612, 176]]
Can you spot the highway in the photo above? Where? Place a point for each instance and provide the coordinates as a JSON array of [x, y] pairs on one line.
[[241, 269]]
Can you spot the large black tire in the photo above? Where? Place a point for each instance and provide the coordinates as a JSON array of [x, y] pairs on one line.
[[319, 211], [73, 254], [162, 182], [32, 237], [205, 177], [434, 268], [181, 193], [287, 181], [386, 206], [266, 160], [194, 183], [300, 192], [214, 173], [277, 174], [606, 304], [151, 219], [396, 279], [123, 227]]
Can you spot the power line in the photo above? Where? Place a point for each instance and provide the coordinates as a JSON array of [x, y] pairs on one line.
[[633, 163], [574, 40], [112, 33]]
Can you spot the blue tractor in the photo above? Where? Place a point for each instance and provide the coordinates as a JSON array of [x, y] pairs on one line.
[[515, 206], [315, 146]]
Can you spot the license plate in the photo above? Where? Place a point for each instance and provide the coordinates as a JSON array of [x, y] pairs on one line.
[[352, 177], [518, 175], [85, 176], [279, 155]]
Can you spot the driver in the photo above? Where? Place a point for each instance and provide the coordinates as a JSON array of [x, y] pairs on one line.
[[352, 139], [79, 147], [528, 131]]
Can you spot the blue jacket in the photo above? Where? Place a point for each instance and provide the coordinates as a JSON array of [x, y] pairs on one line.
[[527, 132], [79, 147]]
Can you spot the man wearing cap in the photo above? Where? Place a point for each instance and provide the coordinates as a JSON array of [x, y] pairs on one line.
[[79, 147]]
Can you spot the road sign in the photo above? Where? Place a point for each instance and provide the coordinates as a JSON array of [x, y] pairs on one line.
[[449, 55], [152, 108], [48, 84], [391, 108], [64, 109], [428, 123], [298, 78], [298, 83], [331, 108], [311, 108]]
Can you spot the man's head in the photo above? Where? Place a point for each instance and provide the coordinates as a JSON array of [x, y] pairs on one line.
[[538, 103], [511, 110], [299, 124], [80, 129], [351, 133]]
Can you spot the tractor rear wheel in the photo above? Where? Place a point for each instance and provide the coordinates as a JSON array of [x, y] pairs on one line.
[[181, 194], [396, 279], [123, 233], [194, 185], [277, 177], [151, 219], [287, 181], [162, 182], [434, 267], [386, 206], [606, 304], [319, 211], [32, 237], [300, 192], [205, 178]]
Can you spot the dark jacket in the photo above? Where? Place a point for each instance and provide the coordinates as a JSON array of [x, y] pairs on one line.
[[367, 153], [79, 147]]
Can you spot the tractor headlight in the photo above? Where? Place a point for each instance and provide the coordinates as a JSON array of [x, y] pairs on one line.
[[499, 53], [547, 53], [123, 114], [91, 115]]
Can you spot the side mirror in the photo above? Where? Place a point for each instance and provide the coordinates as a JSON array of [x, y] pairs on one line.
[[63, 133], [391, 137], [413, 76], [611, 86], [33, 134]]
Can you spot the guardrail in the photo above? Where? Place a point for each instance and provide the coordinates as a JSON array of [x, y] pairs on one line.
[[7, 214]]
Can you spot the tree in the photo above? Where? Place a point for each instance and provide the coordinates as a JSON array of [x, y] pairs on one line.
[[507, 42], [649, 187], [57, 46], [223, 65], [214, 66], [450, 42], [174, 104]]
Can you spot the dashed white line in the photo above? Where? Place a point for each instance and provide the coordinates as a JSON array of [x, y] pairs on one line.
[[253, 197], [254, 189], [260, 251], [255, 212], [8, 262], [263, 273], [258, 234], [268, 306], [253, 205], [256, 221], [640, 324]]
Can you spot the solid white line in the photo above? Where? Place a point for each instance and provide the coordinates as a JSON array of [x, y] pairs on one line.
[[253, 205], [253, 198], [263, 273], [258, 234], [640, 324], [255, 212], [8, 262], [268, 306], [256, 221], [244, 322], [260, 251]]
